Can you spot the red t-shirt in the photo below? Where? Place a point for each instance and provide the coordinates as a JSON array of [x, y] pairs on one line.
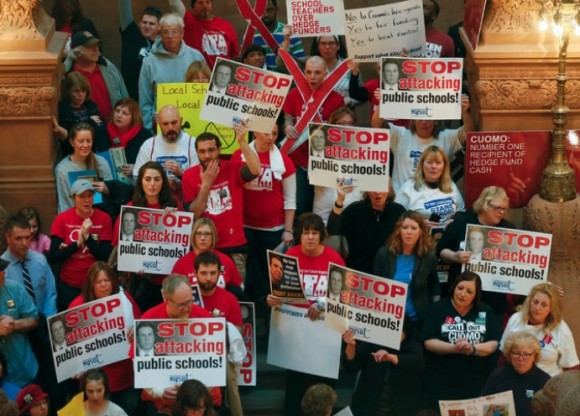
[[66, 226], [263, 196], [314, 271], [222, 304], [160, 312], [229, 274], [294, 106], [99, 91], [120, 374], [216, 38], [224, 203], [438, 44]]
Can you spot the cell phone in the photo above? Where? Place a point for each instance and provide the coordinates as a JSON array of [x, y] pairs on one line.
[[435, 217]]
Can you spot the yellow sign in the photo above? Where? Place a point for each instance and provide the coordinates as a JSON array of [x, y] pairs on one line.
[[188, 98]]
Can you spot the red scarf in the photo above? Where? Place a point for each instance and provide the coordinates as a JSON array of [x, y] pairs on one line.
[[119, 139]]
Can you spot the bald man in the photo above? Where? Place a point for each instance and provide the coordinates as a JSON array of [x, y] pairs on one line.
[[174, 149]]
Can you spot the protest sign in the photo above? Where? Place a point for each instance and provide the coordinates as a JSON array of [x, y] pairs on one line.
[[116, 159], [372, 307], [285, 278], [299, 344], [500, 404], [241, 92], [472, 20], [508, 261], [385, 30], [248, 371], [158, 239], [91, 335], [188, 98], [315, 17], [182, 350], [512, 160], [360, 156], [424, 89]]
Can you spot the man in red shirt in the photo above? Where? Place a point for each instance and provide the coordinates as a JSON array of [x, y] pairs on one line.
[[213, 36], [177, 304], [221, 304], [315, 72], [107, 85], [213, 189], [438, 44]]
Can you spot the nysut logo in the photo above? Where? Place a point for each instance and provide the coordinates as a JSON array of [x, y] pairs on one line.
[[418, 112], [151, 265]]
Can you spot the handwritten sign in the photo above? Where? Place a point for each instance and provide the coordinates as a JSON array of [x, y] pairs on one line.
[[188, 98], [315, 17], [374, 32]]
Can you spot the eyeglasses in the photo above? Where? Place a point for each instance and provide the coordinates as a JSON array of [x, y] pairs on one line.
[[182, 304], [499, 209], [204, 234], [172, 32], [521, 355]]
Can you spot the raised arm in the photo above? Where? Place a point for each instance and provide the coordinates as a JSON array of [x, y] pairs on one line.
[[125, 13]]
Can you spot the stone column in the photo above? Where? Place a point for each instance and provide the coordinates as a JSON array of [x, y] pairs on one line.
[[512, 76], [30, 74]]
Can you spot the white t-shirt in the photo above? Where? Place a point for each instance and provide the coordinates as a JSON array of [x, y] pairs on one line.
[[429, 201], [408, 148], [558, 349], [159, 150]]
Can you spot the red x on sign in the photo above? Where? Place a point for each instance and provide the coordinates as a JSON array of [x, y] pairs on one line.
[[253, 17]]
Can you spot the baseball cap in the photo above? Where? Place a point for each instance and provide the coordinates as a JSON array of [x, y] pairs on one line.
[[83, 38], [81, 185], [28, 395]]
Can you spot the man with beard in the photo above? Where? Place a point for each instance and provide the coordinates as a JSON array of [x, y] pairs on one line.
[[214, 190], [276, 28], [221, 304], [174, 149]]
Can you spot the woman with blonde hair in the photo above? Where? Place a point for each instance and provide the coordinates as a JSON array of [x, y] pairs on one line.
[[488, 210], [431, 192], [198, 71], [408, 257], [541, 315], [521, 374]]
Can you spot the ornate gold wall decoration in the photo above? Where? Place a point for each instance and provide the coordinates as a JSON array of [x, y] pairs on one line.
[[26, 101]]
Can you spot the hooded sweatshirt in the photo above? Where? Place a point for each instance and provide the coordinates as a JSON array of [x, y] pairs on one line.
[[159, 67]]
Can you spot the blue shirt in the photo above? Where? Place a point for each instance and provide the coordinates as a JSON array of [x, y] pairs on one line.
[[40, 275], [403, 274], [22, 365]]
